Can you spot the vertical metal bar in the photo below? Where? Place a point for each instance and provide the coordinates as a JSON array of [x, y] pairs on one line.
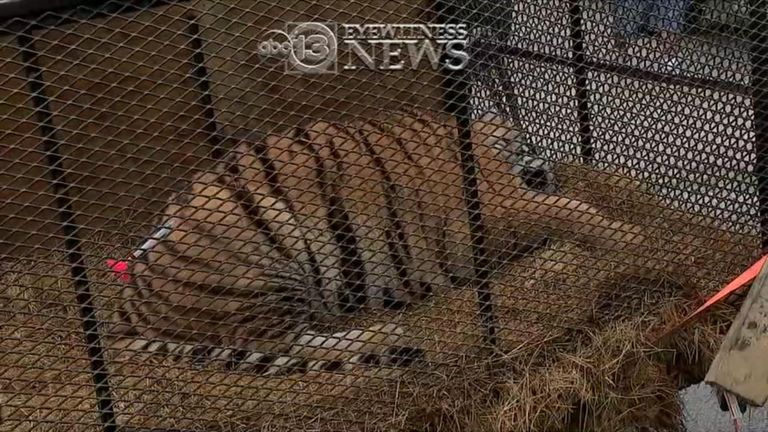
[[578, 64], [510, 98], [476, 224], [51, 147], [758, 34], [200, 74], [456, 99]]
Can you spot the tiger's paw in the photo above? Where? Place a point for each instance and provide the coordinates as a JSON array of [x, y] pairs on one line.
[[619, 236]]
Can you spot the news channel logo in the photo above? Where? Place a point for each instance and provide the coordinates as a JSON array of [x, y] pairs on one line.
[[314, 47]]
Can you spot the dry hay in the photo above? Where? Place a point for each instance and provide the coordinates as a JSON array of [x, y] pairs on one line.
[[578, 346]]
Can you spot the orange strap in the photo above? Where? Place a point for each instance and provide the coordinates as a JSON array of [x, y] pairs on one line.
[[733, 286], [741, 280]]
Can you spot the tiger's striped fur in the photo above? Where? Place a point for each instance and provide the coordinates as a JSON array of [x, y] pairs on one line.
[[297, 229]]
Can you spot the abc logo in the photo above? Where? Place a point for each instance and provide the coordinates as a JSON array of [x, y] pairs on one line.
[[275, 48], [307, 47]]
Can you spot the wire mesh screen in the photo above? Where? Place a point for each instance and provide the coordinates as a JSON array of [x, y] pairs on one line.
[[371, 215]]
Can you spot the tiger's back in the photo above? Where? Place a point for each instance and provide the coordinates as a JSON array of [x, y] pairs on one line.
[[301, 228]]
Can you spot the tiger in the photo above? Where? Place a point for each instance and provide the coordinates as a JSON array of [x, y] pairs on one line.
[[327, 220]]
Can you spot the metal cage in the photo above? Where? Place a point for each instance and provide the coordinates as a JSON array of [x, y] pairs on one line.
[[110, 107]]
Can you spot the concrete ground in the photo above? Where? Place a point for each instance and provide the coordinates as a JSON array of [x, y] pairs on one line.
[[703, 413]]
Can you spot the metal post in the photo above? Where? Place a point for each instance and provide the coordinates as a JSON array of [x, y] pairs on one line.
[[579, 66], [456, 99], [200, 74], [758, 36], [510, 99], [51, 147]]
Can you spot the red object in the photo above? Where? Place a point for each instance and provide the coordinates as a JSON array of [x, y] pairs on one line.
[[121, 270], [740, 281], [736, 284]]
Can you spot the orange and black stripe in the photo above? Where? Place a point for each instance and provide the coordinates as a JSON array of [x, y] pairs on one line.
[[397, 243], [276, 187], [353, 297], [253, 210]]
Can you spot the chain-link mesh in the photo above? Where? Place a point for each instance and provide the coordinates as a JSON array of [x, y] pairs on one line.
[[208, 226]]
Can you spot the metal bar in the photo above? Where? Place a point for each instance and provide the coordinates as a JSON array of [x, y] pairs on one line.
[[456, 99], [627, 71], [476, 224], [759, 57], [488, 64], [510, 96], [578, 64], [51, 146], [200, 74]]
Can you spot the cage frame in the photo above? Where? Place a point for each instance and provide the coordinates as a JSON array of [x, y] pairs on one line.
[[22, 17]]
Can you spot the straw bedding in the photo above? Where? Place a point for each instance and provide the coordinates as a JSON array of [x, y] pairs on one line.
[[577, 344]]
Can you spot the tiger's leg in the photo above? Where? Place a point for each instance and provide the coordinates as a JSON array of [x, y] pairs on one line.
[[380, 345], [568, 219], [128, 343]]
